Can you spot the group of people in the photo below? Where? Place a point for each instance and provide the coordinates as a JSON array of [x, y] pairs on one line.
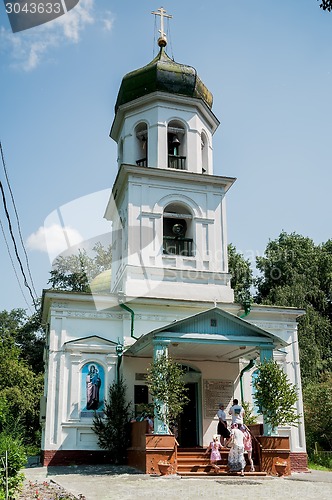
[[238, 440]]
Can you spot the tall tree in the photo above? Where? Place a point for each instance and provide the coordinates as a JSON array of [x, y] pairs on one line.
[[325, 5], [74, 272], [318, 429], [20, 330], [21, 374], [296, 272], [242, 275]]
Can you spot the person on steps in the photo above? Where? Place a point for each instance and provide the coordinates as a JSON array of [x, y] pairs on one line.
[[214, 450], [222, 425], [236, 460]]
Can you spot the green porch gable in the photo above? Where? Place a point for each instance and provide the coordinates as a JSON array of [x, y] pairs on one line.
[[211, 333]]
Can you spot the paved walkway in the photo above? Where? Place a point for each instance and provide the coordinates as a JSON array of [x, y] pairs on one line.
[[108, 482]]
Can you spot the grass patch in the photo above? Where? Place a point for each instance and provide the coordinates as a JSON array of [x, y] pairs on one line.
[[315, 466]]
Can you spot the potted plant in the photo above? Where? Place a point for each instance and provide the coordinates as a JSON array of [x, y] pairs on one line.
[[164, 467], [280, 466], [165, 380], [275, 397]]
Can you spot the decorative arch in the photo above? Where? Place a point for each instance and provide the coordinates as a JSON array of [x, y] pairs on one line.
[[175, 198]]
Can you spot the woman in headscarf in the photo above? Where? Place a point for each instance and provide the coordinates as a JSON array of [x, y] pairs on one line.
[[247, 443], [236, 460]]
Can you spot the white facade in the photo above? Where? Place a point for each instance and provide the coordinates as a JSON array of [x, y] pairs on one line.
[[169, 263], [79, 335]]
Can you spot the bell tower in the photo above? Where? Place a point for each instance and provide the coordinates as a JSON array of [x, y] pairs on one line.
[[167, 208]]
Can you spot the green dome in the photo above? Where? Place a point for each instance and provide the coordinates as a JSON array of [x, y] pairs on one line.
[[163, 75], [102, 282]]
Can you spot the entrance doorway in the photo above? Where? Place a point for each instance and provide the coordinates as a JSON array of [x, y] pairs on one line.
[[189, 422], [188, 428]]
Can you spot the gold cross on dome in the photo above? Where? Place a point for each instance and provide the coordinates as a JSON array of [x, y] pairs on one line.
[[162, 13]]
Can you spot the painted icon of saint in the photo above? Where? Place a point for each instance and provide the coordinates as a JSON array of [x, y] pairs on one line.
[[93, 383]]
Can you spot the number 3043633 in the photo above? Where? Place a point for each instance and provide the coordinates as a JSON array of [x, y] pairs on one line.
[[33, 8]]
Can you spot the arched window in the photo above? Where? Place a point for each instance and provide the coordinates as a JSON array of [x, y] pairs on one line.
[[141, 133], [177, 230], [176, 144], [204, 149]]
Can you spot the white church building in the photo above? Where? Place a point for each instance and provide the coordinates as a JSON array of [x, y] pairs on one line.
[[169, 286]]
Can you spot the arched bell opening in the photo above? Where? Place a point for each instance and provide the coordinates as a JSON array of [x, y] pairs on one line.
[[141, 153], [178, 230], [176, 144], [204, 153], [120, 153]]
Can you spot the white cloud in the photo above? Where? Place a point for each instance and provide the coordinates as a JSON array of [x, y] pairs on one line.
[[53, 239], [76, 20], [29, 48], [108, 21]]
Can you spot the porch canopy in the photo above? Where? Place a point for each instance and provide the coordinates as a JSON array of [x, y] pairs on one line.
[[213, 335]]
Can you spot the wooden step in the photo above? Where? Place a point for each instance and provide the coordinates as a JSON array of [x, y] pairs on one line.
[[198, 467], [195, 462], [222, 474]]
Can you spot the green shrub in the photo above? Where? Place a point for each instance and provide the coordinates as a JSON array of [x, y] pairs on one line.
[[16, 460], [321, 459], [318, 426], [275, 396], [249, 417], [112, 429]]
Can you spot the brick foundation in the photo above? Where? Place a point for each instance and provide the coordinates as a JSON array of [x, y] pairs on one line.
[[73, 457], [299, 462]]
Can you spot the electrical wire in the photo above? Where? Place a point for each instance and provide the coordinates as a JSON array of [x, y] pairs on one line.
[[154, 36], [170, 38], [17, 219], [13, 266], [15, 246]]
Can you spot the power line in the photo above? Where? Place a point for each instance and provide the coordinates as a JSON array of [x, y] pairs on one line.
[[17, 219], [13, 266], [15, 246]]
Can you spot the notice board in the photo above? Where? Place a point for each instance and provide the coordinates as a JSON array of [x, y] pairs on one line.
[[216, 392]]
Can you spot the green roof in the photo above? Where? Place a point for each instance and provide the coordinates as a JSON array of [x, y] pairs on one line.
[[102, 282], [164, 75]]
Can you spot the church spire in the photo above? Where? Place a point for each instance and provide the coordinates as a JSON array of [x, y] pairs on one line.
[[162, 40]]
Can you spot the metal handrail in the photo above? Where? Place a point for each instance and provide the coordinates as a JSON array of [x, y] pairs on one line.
[[177, 162]]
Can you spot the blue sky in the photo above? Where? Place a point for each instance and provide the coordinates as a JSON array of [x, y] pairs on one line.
[[269, 66]]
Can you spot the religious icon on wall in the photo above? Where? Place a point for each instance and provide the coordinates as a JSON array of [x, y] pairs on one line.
[[92, 397]]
